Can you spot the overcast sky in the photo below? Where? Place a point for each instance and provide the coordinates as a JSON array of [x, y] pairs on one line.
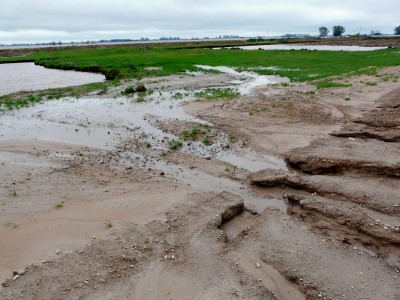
[[77, 20]]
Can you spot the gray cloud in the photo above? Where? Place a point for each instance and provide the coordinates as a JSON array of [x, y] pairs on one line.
[[45, 20]]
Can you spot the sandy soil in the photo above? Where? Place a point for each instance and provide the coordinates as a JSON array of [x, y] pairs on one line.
[[82, 222]]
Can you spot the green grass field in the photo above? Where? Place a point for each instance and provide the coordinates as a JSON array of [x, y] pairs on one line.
[[131, 62]]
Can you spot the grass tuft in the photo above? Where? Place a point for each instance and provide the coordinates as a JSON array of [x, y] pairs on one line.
[[108, 224], [175, 144], [59, 205]]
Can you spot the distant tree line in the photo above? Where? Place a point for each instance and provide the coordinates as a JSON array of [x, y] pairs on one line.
[[339, 30]]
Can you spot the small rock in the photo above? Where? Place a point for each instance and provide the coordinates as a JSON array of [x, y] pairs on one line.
[[21, 272], [258, 265], [16, 277]]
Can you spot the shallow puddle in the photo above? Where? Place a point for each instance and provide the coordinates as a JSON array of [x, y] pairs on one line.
[[30, 77], [245, 87], [237, 225]]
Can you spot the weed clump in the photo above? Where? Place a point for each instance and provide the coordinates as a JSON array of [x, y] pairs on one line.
[[206, 142], [175, 144], [12, 192], [193, 134], [108, 224], [131, 90], [59, 205]]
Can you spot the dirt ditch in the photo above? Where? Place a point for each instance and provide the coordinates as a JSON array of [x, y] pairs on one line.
[[98, 202]]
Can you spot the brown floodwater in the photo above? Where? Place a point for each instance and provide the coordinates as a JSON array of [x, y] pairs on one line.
[[30, 77]]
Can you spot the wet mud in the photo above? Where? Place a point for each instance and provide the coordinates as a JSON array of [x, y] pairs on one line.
[[295, 195]]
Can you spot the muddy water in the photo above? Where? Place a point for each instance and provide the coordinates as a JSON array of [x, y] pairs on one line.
[[29, 77], [108, 123]]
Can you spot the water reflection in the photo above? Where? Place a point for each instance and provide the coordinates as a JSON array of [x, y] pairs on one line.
[[30, 77]]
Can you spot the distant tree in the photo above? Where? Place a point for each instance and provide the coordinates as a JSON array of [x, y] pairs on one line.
[[338, 30], [323, 31], [397, 30]]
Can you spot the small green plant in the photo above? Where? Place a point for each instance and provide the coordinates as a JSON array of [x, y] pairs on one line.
[[206, 142], [59, 205], [370, 83], [177, 96], [347, 99], [11, 224], [193, 134], [108, 224], [227, 170], [140, 88], [12, 192], [148, 145], [129, 90], [175, 144]]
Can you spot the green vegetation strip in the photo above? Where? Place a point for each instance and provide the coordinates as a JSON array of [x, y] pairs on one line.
[[123, 62], [130, 62]]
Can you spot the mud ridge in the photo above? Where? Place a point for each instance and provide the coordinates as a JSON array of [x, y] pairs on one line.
[[335, 211], [319, 166], [348, 189], [385, 137]]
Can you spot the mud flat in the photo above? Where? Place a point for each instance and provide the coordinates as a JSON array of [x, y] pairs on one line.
[[284, 192]]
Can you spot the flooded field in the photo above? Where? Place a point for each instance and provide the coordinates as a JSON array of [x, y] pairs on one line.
[[30, 77], [227, 182]]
